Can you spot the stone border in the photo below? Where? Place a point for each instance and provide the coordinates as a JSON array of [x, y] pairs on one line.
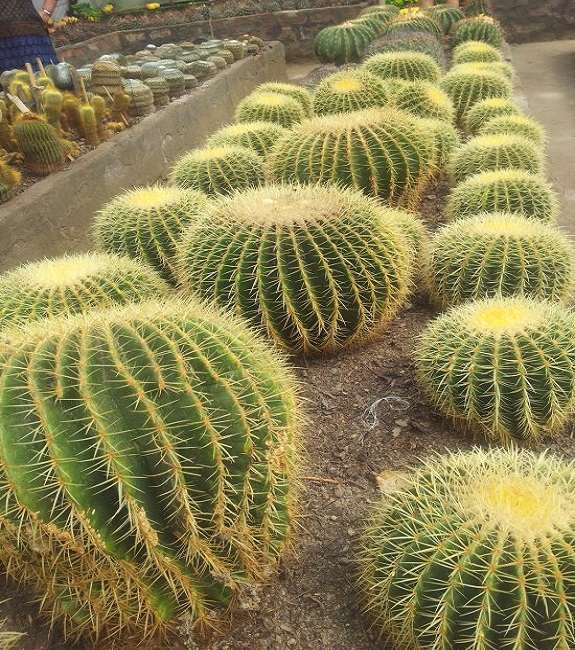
[[54, 216]]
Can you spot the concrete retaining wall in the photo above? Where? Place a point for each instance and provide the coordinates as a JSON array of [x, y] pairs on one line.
[[54, 216]]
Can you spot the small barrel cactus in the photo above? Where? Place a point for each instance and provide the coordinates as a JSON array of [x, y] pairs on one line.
[[485, 110], [504, 190], [382, 13], [517, 125], [446, 138], [501, 68], [270, 107], [146, 223], [160, 90], [157, 476], [258, 136], [426, 100], [504, 367], [478, 28], [315, 267], [473, 551], [73, 284], [446, 16], [422, 42], [141, 97], [413, 22], [10, 178], [408, 66], [344, 43], [39, 144], [349, 90], [486, 153], [175, 79], [300, 94], [386, 153], [467, 87], [218, 170], [499, 254], [476, 52]]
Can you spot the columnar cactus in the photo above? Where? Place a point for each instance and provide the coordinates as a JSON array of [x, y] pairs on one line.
[[476, 52], [478, 28], [349, 90], [39, 143], [505, 190], [504, 367], [156, 478], [10, 178], [486, 153], [270, 107], [218, 170], [344, 43], [386, 153], [258, 136], [423, 42], [483, 111], [302, 95], [315, 267], [409, 66], [467, 87], [517, 125], [426, 100], [146, 223], [474, 552], [499, 254], [73, 284]]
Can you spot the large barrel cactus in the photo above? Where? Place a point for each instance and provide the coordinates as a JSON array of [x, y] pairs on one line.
[[446, 139], [302, 95], [274, 107], [413, 22], [145, 223], [408, 66], [446, 16], [419, 41], [500, 68], [258, 136], [500, 254], [504, 190], [474, 552], [73, 284], [315, 267], [504, 367], [385, 153], [348, 91], [344, 43], [478, 28], [147, 456], [476, 52], [426, 100], [486, 110], [517, 125]]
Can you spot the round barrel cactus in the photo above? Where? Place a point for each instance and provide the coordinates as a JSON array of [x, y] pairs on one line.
[[39, 144], [218, 170], [447, 139], [302, 95], [344, 43], [349, 90], [145, 223], [497, 67], [315, 267], [504, 190], [156, 477], [474, 552], [446, 16], [476, 52], [386, 153], [260, 137], [499, 254], [382, 13], [73, 284], [483, 111], [478, 28], [486, 153], [270, 107], [423, 42], [504, 367], [425, 100], [467, 87], [517, 125], [408, 66], [415, 21]]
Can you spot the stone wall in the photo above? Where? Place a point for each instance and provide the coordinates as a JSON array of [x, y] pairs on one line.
[[536, 20], [295, 29]]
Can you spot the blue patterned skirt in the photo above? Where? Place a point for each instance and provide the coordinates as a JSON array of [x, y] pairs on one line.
[[15, 51]]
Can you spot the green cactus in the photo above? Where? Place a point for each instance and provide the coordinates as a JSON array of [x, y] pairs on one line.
[[478, 28], [467, 87], [423, 42], [385, 153], [486, 153], [381, 13], [315, 267], [260, 137], [302, 95], [504, 190], [89, 125], [106, 78], [141, 97], [446, 16], [39, 144], [71, 109], [408, 66], [160, 90], [218, 170], [498, 67], [73, 284], [477, 7], [476, 52], [426, 100], [446, 139], [156, 480], [374, 25], [504, 367], [415, 232], [349, 90], [344, 43], [10, 178], [237, 48], [146, 223], [52, 103], [99, 105], [176, 81], [473, 551], [202, 69], [485, 110], [270, 107], [516, 125], [413, 22], [503, 254]]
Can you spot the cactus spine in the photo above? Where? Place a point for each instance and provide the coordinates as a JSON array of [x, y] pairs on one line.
[[260, 137], [478, 28], [483, 111], [426, 100], [349, 90], [476, 52], [302, 95], [423, 42], [412, 23], [515, 125], [408, 66], [39, 144], [344, 43], [270, 107]]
